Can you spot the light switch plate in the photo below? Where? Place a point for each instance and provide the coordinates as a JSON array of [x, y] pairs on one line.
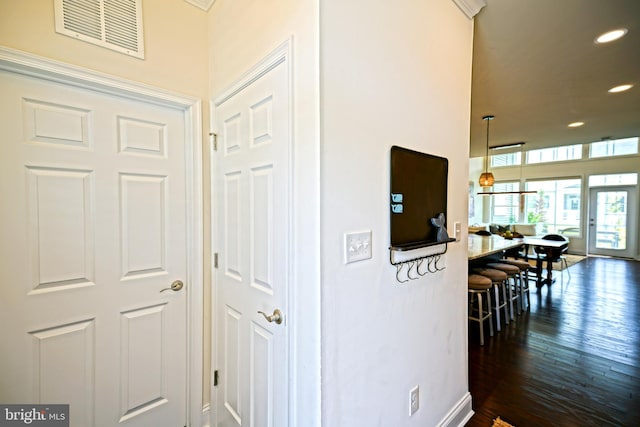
[[357, 246], [414, 400], [457, 229]]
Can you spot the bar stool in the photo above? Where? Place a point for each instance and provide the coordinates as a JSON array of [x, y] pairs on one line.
[[477, 287], [513, 272], [524, 280], [498, 281]]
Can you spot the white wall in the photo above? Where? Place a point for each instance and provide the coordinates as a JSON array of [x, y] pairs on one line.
[[391, 74], [175, 44]]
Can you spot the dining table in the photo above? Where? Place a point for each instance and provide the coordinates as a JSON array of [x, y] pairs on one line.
[[548, 246], [480, 247]]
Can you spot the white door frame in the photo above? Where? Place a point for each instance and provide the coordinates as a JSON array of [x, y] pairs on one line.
[[282, 54], [27, 64]]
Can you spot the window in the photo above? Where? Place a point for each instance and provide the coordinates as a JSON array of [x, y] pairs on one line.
[[555, 154], [614, 179], [614, 147], [504, 207], [556, 205], [507, 159]]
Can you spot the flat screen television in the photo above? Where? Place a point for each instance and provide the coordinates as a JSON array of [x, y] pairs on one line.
[[418, 193]]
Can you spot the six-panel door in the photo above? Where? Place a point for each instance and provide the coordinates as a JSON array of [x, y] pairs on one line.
[[93, 219]]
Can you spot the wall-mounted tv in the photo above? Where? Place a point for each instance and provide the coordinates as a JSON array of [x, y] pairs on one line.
[[418, 193]]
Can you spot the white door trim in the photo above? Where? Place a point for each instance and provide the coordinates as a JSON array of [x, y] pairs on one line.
[[27, 64], [281, 54]]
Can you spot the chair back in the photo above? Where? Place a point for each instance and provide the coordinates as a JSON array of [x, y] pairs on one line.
[[555, 237]]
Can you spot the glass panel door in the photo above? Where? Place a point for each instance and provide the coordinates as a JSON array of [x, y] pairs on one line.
[[610, 229]]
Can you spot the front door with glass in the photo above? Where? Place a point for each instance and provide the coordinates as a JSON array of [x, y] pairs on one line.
[[611, 231]]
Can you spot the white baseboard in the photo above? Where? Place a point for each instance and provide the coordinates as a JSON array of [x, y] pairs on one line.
[[459, 414]]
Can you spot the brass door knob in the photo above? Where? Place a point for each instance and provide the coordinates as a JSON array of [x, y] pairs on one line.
[[175, 286], [275, 317]]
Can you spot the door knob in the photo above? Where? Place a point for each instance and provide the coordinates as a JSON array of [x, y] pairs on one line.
[[275, 317], [175, 286]]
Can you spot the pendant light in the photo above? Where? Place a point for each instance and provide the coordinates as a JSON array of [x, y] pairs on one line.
[[486, 178], [520, 192]]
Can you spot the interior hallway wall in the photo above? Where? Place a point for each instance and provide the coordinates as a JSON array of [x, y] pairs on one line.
[[391, 74]]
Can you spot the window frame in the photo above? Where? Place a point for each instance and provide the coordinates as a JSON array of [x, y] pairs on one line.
[[611, 145], [555, 152], [557, 203]]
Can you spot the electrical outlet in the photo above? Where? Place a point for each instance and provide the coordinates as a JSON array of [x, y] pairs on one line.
[[414, 400], [357, 246]]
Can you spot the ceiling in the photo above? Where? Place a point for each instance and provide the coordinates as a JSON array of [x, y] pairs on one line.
[[537, 68]]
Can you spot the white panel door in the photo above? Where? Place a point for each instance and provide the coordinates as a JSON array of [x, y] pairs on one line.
[[93, 228], [252, 191]]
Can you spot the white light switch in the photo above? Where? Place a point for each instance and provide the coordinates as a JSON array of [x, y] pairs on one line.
[[457, 229], [414, 400], [357, 246]]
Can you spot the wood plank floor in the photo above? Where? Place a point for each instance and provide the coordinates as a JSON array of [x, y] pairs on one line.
[[572, 360]]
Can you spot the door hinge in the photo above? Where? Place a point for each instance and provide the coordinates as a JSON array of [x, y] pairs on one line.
[[215, 140], [215, 378], [215, 260]]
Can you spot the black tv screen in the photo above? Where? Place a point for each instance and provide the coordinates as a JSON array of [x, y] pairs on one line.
[[418, 193]]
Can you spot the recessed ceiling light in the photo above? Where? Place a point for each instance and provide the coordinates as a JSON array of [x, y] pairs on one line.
[[620, 88], [611, 35], [575, 124]]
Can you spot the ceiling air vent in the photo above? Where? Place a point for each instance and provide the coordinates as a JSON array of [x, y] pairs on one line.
[[114, 24]]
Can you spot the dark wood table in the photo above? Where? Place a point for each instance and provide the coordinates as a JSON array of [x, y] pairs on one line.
[[548, 246]]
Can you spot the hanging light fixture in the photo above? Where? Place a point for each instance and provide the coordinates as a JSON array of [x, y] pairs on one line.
[[486, 178]]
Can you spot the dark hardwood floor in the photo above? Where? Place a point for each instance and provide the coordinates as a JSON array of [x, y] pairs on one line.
[[572, 360]]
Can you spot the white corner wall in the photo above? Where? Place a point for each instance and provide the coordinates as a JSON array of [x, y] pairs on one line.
[[391, 74]]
